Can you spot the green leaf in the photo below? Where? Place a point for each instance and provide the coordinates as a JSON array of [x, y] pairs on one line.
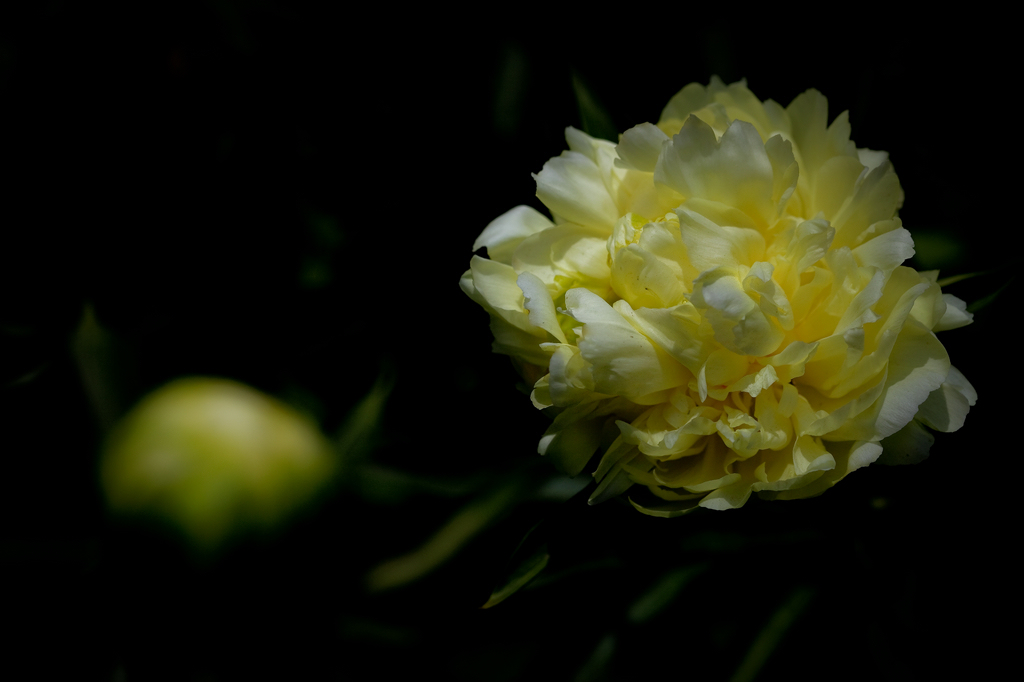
[[987, 300], [596, 667], [654, 601], [936, 249], [605, 564], [384, 485], [356, 436], [529, 558], [448, 540], [562, 488], [96, 354], [520, 576], [667, 510], [595, 120], [953, 279], [768, 639]]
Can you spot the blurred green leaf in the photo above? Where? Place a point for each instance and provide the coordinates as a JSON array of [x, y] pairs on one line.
[[510, 90], [356, 435], [26, 377], [528, 559], [96, 355], [935, 250], [596, 667], [986, 301], [368, 631], [769, 637], [953, 279], [715, 542], [522, 574], [654, 601], [561, 488], [449, 539], [595, 120], [384, 485], [604, 564]]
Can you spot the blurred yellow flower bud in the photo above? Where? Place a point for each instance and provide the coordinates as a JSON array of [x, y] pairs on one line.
[[214, 458]]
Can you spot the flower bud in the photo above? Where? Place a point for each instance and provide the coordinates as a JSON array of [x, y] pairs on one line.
[[214, 459]]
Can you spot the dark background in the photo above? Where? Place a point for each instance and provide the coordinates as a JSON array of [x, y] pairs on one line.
[[286, 195]]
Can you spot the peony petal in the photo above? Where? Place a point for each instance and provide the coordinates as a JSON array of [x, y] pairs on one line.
[[858, 312], [570, 379], [537, 301], [739, 323], [809, 454], [688, 100], [792, 361], [521, 346], [572, 186], [503, 234], [834, 184], [849, 456], [886, 251], [643, 278], [755, 383], [956, 314], [874, 343], [909, 445], [572, 439], [612, 478], [735, 170], [700, 473], [722, 369], [640, 146], [816, 141], [785, 170], [918, 365], [871, 158], [676, 331], [728, 497], [770, 296], [709, 245], [946, 408], [877, 197], [624, 361], [930, 307], [568, 250], [494, 286]]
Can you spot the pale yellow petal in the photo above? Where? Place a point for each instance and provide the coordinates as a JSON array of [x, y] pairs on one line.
[[624, 362], [572, 187], [946, 408], [735, 170], [640, 146], [537, 301], [507, 231], [955, 316]]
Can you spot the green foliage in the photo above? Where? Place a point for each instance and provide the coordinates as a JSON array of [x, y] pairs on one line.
[[594, 119], [525, 567], [449, 539]]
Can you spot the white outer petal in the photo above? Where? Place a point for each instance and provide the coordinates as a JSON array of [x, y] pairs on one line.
[[503, 234]]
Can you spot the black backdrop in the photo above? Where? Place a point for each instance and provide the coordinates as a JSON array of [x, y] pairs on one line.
[[286, 195]]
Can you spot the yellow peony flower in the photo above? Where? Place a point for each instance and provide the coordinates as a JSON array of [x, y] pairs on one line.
[[718, 304]]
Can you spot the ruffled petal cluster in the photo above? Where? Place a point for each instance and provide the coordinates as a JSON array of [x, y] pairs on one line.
[[718, 306]]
